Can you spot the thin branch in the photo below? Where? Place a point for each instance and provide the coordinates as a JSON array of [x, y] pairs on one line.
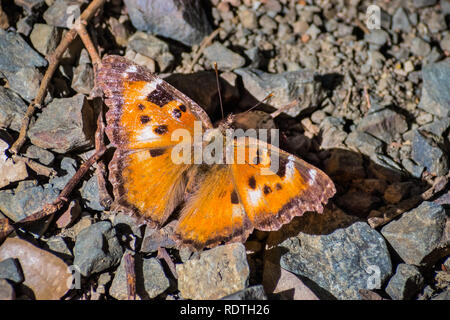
[[53, 61], [35, 166], [131, 276], [162, 254]]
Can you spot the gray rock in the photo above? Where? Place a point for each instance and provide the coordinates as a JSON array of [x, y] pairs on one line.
[[333, 134], [423, 3], [421, 235], [26, 199], [436, 89], [216, 273], [377, 37], [383, 124], [65, 125], [400, 21], [189, 27], [83, 78], [442, 296], [286, 87], [151, 279], [419, 47], [43, 156], [25, 25], [97, 249], [152, 47], [90, 194], [62, 13], [428, 154], [250, 293], [30, 6], [445, 5], [412, 168], [45, 38], [16, 54], [405, 283], [226, 59], [434, 56], [445, 43], [156, 238], [58, 246], [339, 260], [344, 165], [364, 143], [25, 82], [6, 290], [248, 19], [69, 166], [10, 269]]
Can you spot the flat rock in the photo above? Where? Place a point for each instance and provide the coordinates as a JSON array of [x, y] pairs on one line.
[[62, 13], [405, 283], [45, 38], [226, 59], [189, 27], [364, 143], [41, 155], [421, 235], [12, 111], [15, 53], [68, 167], [436, 88], [250, 293], [10, 171], [284, 284], [97, 249], [286, 87], [46, 275], [25, 82], [83, 78], [10, 269], [26, 199], [65, 125], [400, 21], [428, 154], [383, 124], [151, 279], [152, 47], [215, 274], [6, 290], [90, 194], [335, 255]]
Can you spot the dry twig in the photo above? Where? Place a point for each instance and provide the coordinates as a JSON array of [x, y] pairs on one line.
[[131, 276], [53, 61]]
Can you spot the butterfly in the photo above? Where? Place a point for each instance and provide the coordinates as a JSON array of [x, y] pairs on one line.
[[219, 202]]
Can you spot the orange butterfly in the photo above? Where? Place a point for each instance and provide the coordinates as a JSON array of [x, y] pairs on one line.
[[221, 202]]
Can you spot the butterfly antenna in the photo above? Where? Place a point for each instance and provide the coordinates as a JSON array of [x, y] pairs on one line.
[[218, 88], [270, 95], [284, 108]]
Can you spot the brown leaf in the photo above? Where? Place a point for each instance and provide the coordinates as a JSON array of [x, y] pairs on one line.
[[45, 274]]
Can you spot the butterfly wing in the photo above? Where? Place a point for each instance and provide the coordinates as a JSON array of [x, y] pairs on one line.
[[143, 113], [275, 186], [212, 212], [228, 201], [144, 109]]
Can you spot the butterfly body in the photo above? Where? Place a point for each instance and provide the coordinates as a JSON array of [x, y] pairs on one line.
[[224, 190]]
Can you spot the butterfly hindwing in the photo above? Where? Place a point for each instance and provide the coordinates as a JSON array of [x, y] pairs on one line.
[[277, 186], [212, 212]]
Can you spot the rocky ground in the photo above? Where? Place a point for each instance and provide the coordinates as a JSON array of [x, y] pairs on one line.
[[373, 113]]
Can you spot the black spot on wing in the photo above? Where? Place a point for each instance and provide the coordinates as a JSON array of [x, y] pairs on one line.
[[234, 197], [141, 106], [282, 168], [252, 182], [159, 96], [145, 119], [267, 189], [156, 152], [161, 129], [176, 113], [278, 186], [182, 107]]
